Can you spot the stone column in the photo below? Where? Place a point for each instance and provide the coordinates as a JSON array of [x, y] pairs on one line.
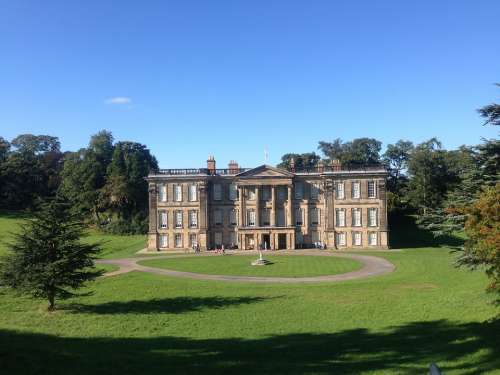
[[241, 191], [257, 206], [153, 217], [203, 239], [273, 206], [289, 206]]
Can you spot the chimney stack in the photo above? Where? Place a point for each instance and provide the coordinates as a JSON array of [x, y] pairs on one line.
[[336, 165], [211, 164], [292, 165], [233, 167]]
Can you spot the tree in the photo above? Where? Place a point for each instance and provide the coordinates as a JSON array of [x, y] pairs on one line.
[[491, 113], [306, 160], [360, 151], [4, 149], [396, 159], [482, 247], [47, 258]]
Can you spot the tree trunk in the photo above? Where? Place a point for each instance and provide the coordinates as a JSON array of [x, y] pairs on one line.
[[51, 299]]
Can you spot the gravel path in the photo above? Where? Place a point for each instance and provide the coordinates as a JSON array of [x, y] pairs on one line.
[[372, 266]]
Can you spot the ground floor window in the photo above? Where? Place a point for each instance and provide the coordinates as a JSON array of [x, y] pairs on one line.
[[233, 238], [178, 240], [340, 239], [372, 238], [193, 240], [163, 241], [299, 238], [315, 236], [356, 238], [218, 238]]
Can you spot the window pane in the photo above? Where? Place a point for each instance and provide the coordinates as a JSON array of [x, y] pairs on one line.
[[298, 216], [217, 192], [371, 189], [178, 219], [340, 219], [299, 190], [178, 193], [162, 193], [163, 240], [355, 190], [192, 193], [356, 217], [340, 190], [314, 191], [233, 192], [178, 240]]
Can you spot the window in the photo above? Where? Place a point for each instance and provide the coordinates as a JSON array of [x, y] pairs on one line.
[[356, 238], [298, 216], [356, 217], [162, 193], [178, 193], [251, 194], [355, 190], [233, 238], [281, 195], [163, 220], [372, 217], [299, 239], [193, 193], [193, 219], [339, 191], [315, 216], [163, 241], [233, 192], [371, 189], [251, 218], [266, 193], [340, 217], [178, 219], [217, 192], [372, 238], [280, 217], [178, 240], [265, 217], [233, 217], [315, 236], [340, 238], [314, 190], [193, 240], [218, 238], [299, 190], [218, 217]]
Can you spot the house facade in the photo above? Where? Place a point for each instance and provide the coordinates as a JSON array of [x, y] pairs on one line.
[[267, 207]]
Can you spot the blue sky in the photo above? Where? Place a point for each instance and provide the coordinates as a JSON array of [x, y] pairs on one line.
[[228, 78]]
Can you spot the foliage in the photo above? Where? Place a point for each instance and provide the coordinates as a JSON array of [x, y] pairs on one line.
[[306, 160], [47, 258], [482, 227], [360, 151], [491, 113], [395, 159]]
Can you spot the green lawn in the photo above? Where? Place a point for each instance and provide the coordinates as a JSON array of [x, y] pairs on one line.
[[286, 266], [426, 311]]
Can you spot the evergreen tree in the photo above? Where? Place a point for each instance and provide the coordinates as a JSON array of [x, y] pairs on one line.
[[47, 258]]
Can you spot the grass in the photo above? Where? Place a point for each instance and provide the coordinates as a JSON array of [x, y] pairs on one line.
[[426, 311], [285, 266]]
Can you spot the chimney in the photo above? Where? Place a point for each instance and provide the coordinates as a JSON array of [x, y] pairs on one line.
[[292, 165], [336, 165], [321, 166], [233, 167], [211, 164]]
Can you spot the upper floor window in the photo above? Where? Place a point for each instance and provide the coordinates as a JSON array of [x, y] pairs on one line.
[[340, 217], [178, 193], [315, 216], [372, 217], [281, 193], [265, 217], [193, 193], [178, 219], [251, 218], [233, 192], [162, 193], [218, 217], [193, 219], [280, 217], [266, 193], [233, 217], [356, 193], [251, 193], [163, 219], [356, 217], [217, 192], [372, 193], [299, 190], [314, 190], [298, 216], [339, 191]]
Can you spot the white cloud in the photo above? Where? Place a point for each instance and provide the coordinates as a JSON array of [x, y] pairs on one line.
[[119, 100]]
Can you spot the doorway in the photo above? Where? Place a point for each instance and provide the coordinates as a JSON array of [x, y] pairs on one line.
[[266, 241], [281, 241]]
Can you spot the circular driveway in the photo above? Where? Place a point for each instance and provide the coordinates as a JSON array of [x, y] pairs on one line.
[[372, 266]]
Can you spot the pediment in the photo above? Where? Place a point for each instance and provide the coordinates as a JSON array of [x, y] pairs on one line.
[[265, 171]]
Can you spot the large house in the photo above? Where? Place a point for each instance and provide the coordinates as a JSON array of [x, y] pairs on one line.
[[267, 207]]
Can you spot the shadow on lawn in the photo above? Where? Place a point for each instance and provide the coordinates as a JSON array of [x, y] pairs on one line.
[[407, 349], [406, 234], [164, 305]]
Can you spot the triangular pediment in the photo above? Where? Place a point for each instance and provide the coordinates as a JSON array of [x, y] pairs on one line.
[[265, 171]]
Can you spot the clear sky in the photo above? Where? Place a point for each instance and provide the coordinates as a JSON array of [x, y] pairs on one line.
[[228, 78]]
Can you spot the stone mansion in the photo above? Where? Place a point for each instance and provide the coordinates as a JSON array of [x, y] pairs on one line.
[[267, 207]]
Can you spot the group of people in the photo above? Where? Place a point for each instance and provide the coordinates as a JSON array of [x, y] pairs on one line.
[[319, 245]]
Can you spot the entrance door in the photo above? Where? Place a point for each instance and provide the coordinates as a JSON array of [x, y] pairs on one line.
[[266, 241], [282, 241]]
